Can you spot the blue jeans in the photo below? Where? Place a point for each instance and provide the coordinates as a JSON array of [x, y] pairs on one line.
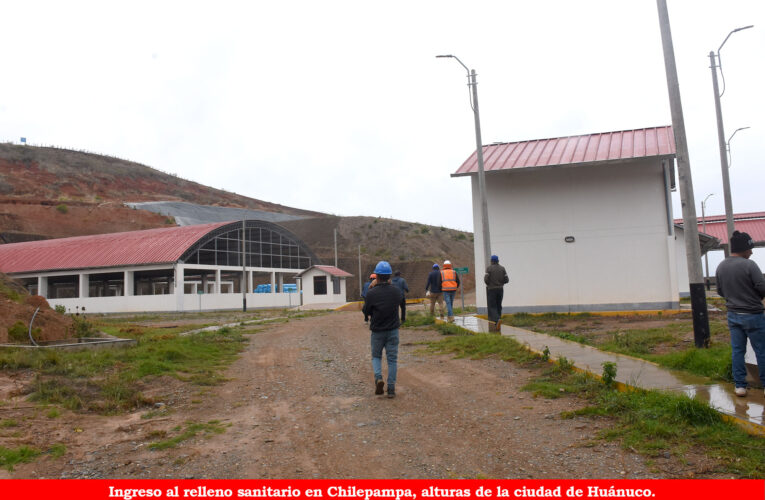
[[449, 299], [387, 339], [743, 326]]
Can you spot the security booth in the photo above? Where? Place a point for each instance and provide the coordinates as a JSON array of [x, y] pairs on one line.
[[320, 284]]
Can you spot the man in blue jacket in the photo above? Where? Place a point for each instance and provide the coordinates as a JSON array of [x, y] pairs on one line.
[[382, 305]]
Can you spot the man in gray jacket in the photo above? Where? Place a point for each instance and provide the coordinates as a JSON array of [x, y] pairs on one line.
[[495, 279], [740, 281]]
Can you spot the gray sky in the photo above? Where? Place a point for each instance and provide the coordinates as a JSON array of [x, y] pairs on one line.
[[341, 106]]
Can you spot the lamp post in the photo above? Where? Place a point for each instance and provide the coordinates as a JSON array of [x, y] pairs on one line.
[[721, 137], [479, 152], [727, 145], [704, 229]]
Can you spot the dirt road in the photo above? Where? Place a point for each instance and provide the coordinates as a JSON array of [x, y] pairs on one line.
[[299, 403]]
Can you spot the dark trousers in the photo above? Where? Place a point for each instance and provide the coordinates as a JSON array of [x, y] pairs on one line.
[[494, 303]]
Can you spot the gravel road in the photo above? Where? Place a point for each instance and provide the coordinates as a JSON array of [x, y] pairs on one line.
[[299, 403]]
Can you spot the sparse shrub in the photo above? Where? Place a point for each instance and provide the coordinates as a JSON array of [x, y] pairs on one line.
[[60, 309], [609, 373], [424, 230], [62, 208], [461, 237], [82, 327], [18, 332], [546, 354]]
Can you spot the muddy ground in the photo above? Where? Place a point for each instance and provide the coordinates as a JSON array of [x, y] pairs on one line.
[[299, 403]]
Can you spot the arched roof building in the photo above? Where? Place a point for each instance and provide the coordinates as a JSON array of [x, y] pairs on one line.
[[142, 270]]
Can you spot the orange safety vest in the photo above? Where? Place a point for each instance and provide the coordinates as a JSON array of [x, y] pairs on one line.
[[448, 280]]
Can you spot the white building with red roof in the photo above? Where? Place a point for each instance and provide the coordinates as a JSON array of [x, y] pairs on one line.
[[189, 268], [582, 223]]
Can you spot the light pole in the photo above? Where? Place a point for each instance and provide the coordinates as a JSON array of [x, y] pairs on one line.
[[721, 137], [479, 152], [727, 145], [704, 230]]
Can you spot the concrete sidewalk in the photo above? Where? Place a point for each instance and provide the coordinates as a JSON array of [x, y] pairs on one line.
[[748, 411]]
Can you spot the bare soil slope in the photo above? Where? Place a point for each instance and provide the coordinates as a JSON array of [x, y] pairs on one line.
[[16, 305], [299, 403]]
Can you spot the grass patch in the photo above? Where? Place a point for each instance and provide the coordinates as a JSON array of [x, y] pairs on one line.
[[667, 345], [481, 346], [10, 457], [107, 381], [192, 430], [417, 318], [653, 422]]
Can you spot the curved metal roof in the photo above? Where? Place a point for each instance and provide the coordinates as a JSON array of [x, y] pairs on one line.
[[152, 246], [574, 150]]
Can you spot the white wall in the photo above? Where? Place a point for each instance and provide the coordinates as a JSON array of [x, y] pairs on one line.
[[161, 303], [620, 259], [308, 293]]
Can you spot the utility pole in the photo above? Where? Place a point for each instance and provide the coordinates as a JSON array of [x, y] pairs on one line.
[[721, 140], [690, 227], [723, 156], [479, 154], [335, 247]]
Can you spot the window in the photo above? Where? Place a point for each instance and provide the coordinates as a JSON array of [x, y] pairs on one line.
[[320, 285], [336, 285]]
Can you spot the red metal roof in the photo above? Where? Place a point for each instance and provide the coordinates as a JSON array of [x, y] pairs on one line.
[[151, 246], [592, 148], [752, 223], [334, 271]]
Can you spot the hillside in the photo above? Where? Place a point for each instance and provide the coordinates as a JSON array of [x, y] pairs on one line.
[[50, 192], [53, 193]]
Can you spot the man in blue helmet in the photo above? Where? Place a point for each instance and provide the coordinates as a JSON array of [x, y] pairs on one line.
[[495, 279], [382, 305]]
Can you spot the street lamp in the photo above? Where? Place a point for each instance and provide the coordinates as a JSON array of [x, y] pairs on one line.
[[721, 136], [479, 152], [704, 230], [727, 145]]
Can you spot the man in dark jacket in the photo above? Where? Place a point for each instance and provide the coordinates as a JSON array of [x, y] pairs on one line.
[[495, 279], [382, 305], [740, 281], [433, 291]]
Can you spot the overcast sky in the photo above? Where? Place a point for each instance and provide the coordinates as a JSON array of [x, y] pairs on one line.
[[341, 106]]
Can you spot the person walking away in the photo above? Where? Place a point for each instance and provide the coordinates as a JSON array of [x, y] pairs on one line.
[[740, 282], [450, 282], [382, 305], [495, 279], [433, 291], [365, 289], [400, 283]]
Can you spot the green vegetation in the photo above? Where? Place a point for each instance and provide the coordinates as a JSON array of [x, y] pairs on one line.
[[192, 429], [667, 345], [62, 208], [649, 422], [417, 318], [10, 457], [107, 381], [18, 332], [60, 309]]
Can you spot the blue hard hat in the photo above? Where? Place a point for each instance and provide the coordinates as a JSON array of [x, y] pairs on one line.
[[494, 258], [383, 267], [435, 266]]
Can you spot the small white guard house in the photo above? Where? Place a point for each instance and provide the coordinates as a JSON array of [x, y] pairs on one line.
[[582, 223], [323, 285]]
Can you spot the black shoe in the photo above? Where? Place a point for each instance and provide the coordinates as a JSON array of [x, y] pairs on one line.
[[391, 392], [379, 384]]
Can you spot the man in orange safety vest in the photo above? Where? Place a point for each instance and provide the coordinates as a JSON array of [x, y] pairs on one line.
[[450, 282]]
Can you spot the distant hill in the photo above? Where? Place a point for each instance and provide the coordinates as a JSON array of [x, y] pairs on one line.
[[53, 193]]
